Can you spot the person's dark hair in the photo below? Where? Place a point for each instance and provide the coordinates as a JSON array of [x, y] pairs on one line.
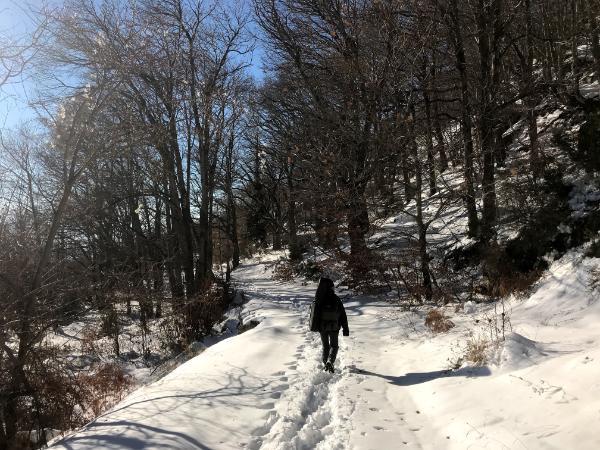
[[325, 290]]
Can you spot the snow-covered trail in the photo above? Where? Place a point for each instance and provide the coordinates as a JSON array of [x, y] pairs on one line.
[[363, 405], [265, 390], [220, 399], [352, 408]]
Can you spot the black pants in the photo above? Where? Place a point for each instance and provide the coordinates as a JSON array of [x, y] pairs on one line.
[[330, 345]]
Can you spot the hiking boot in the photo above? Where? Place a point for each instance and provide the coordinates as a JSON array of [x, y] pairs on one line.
[[329, 367]]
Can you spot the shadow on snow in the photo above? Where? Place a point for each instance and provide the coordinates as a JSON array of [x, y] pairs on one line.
[[411, 379]]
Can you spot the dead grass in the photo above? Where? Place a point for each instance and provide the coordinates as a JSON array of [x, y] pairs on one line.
[[103, 387], [501, 278], [476, 351], [66, 398], [516, 283], [437, 322]]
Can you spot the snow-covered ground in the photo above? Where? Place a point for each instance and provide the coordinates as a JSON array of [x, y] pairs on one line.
[[264, 389]]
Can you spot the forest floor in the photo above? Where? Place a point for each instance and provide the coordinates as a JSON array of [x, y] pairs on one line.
[[393, 386]]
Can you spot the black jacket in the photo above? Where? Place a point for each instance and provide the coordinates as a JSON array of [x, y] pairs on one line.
[[316, 324]]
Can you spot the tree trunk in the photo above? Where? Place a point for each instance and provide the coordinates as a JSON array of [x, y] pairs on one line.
[[358, 227], [429, 136], [547, 62], [358, 215], [173, 262], [535, 162], [232, 222], [595, 41], [408, 190], [293, 243], [158, 268], [232, 229], [277, 229], [439, 136], [466, 123], [235, 242], [574, 52], [203, 132], [486, 124], [9, 422], [422, 229], [181, 221], [181, 197]]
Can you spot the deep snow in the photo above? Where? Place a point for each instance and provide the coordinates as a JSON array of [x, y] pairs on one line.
[[264, 389]]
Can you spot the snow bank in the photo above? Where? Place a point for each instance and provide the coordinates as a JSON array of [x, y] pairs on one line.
[[563, 296], [518, 352]]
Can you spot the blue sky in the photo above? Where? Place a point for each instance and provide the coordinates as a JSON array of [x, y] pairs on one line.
[[15, 23], [12, 16]]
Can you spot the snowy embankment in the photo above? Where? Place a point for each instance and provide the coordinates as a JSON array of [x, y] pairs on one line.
[[264, 388]]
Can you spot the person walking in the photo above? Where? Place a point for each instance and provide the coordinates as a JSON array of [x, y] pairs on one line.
[[327, 317]]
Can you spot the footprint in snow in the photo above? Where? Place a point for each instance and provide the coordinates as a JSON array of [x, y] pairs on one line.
[[378, 428], [373, 409], [276, 395]]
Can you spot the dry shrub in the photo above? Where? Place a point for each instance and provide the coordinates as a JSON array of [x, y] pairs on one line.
[[60, 398], [437, 322], [170, 335], [365, 272], [89, 335], [476, 351], [55, 393], [403, 275], [310, 269], [109, 324], [204, 311], [502, 278], [283, 271], [106, 385], [515, 283]]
